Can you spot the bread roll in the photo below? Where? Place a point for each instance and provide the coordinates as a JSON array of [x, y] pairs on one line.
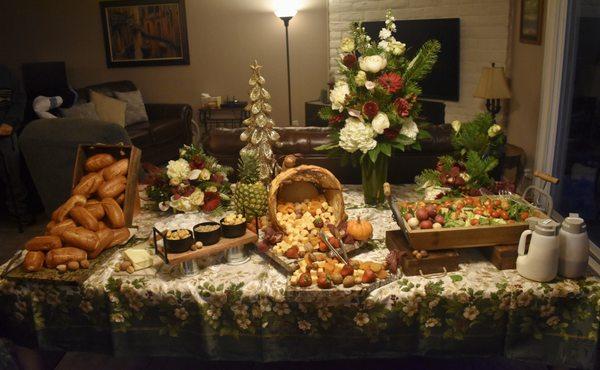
[[117, 169], [64, 255], [81, 238], [43, 243], [84, 218], [62, 211], [88, 184], [99, 161], [34, 261], [95, 208], [105, 238], [120, 199], [112, 188], [102, 225], [60, 227], [114, 213], [120, 236], [50, 225]]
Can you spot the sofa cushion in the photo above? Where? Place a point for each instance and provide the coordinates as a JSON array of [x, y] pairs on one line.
[[109, 109], [135, 111], [84, 110], [166, 129]]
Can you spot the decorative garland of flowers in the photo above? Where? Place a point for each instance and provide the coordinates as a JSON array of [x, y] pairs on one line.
[[194, 182], [374, 99]]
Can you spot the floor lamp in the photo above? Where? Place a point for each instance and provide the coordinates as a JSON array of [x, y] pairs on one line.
[[286, 10]]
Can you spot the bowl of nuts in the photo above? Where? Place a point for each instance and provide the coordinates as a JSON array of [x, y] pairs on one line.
[[208, 233], [178, 241], [234, 225]]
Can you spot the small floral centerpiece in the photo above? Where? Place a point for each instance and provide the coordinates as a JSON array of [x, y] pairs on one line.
[[478, 145], [191, 183], [374, 102]]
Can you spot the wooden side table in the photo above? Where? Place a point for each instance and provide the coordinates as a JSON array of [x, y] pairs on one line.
[[229, 115]]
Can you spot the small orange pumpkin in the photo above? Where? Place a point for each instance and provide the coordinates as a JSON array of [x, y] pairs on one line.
[[360, 229]]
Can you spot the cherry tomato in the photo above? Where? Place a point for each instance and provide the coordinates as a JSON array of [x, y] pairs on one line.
[[495, 214], [497, 203], [504, 215], [474, 221], [524, 215], [510, 221], [478, 211]]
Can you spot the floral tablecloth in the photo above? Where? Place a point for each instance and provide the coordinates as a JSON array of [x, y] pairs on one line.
[[241, 312]]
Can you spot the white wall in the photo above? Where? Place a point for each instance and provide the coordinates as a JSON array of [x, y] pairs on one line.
[[484, 35]]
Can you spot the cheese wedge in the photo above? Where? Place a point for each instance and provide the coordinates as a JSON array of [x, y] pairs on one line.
[[139, 258]]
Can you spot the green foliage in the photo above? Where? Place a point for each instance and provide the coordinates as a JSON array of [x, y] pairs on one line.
[[447, 162], [248, 170], [478, 168], [473, 136], [421, 64], [429, 177]]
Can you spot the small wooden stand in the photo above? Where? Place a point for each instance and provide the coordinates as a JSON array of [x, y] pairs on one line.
[[504, 257], [223, 245], [436, 261]]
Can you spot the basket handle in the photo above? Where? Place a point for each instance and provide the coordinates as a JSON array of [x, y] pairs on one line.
[[546, 177]]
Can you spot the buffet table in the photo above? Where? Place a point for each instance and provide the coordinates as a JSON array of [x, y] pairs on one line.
[[241, 312]]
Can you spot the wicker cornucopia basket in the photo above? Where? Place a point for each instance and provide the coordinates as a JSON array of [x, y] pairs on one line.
[[306, 182]]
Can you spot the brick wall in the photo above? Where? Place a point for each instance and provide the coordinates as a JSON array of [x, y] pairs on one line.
[[484, 31]]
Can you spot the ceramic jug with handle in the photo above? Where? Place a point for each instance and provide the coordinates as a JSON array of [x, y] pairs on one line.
[[574, 247], [541, 261]]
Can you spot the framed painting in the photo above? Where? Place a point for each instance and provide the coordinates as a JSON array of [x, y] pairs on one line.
[[532, 18], [144, 33]]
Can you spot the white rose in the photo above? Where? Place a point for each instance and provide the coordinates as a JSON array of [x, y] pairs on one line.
[[383, 45], [494, 130], [347, 45], [182, 204], [179, 169], [410, 129], [175, 181], [338, 95], [360, 78], [372, 63], [357, 136], [380, 122], [384, 33], [370, 85], [456, 125], [197, 197], [397, 48], [204, 174]]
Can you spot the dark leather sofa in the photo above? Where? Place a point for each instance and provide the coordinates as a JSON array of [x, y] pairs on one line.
[[168, 127], [224, 144]]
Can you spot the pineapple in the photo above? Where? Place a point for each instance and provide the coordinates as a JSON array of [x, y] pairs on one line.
[[250, 195]]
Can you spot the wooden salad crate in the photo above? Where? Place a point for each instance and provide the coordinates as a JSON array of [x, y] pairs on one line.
[[463, 237], [131, 203]]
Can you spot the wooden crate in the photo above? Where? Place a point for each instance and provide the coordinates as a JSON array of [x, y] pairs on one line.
[[504, 257], [464, 237], [131, 204], [435, 262]]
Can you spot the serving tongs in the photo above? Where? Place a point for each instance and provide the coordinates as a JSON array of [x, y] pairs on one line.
[[326, 241]]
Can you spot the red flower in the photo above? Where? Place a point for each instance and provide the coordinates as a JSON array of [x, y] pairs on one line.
[[349, 60], [402, 107], [391, 82], [334, 120], [390, 133], [218, 178], [211, 201], [370, 109]]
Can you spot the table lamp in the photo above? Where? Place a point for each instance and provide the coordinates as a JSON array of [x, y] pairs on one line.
[[286, 10], [492, 87]]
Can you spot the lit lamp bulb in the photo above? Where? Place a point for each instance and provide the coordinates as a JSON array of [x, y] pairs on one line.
[[286, 9]]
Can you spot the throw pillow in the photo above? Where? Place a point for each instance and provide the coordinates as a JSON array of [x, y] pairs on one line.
[[85, 110], [136, 110], [109, 109]]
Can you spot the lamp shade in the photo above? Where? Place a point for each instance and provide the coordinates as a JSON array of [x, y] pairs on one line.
[[492, 84], [285, 8]]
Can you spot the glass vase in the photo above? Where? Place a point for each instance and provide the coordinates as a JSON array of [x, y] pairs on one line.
[[373, 177]]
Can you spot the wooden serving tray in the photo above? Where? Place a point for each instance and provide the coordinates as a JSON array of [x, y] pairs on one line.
[[288, 266], [464, 237], [435, 262], [223, 245]]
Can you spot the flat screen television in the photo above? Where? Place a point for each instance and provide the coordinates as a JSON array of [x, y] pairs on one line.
[[444, 81]]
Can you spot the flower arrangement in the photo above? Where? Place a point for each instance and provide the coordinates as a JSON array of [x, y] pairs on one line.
[[478, 146], [374, 102], [193, 182]]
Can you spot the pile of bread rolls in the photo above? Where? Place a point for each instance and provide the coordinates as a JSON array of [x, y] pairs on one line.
[[89, 222]]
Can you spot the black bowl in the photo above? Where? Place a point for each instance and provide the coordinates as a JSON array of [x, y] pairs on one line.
[[179, 245], [233, 231], [208, 237]]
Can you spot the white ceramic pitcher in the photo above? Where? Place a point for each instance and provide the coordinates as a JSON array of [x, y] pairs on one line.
[[541, 261]]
